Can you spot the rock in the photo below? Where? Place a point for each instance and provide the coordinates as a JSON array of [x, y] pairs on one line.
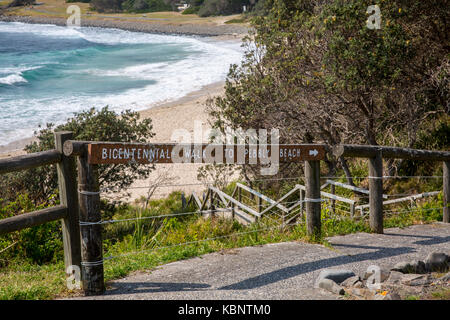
[[416, 279], [437, 261], [331, 286], [337, 275], [445, 278], [384, 274], [362, 293], [418, 266], [350, 282], [389, 296], [403, 266], [395, 277], [393, 296], [358, 284]]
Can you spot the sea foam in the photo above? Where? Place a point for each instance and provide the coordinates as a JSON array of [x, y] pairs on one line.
[[145, 77]]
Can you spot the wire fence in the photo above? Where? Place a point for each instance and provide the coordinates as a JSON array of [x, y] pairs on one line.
[[287, 210]]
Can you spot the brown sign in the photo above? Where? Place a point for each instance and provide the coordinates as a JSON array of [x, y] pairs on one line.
[[126, 153]]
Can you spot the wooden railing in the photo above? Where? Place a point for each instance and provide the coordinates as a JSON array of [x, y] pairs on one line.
[[79, 207], [376, 154], [67, 211]]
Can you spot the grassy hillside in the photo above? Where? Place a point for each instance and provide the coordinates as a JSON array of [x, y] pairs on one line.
[[57, 8]]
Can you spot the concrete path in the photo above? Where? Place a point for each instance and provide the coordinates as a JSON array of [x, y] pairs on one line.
[[279, 271]]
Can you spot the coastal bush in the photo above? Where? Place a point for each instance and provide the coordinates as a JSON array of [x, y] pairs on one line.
[[146, 6], [40, 244], [107, 6], [91, 125], [83, 1], [220, 7], [191, 10]]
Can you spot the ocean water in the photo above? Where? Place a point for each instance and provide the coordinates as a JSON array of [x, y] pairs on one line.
[[49, 72]]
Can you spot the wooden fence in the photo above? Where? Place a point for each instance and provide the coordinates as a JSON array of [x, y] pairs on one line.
[[68, 210], [79, 207]]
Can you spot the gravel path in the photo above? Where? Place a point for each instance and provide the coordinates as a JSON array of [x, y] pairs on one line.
[[278, 271]]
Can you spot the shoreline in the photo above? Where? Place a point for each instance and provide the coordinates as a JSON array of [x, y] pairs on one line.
[[15, 148], [146, 26], [185, 113]]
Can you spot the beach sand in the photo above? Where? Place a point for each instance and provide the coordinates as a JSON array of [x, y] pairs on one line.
[[180, 114], [184, 113]]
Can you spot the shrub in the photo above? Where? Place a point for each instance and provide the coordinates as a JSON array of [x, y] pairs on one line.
[[220, 7], [146, 6], [191, 10], [91, 125], [107, 5], [40, 244]]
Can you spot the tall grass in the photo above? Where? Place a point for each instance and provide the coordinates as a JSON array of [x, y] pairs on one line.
[[146, 243]]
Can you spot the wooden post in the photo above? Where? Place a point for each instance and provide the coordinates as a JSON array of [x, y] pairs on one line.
[[446, 188], [232, 210], [313, 204], [91, 235], [376, 193], [183, 201], [212, 207], [302, 198], [333, 202], [259, 204], [67, 182]]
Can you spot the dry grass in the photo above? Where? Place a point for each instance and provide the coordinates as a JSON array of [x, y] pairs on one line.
[[57, 8]]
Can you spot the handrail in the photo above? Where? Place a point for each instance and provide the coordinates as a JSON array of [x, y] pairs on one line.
[[32, 219], [29, 161], [410, 198], [370, 151], [260, 195], [350, 187], [250, 210]]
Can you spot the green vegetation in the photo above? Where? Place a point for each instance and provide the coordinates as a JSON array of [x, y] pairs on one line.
[[92, 125], [203, 8], [441, 294], [318, 62], [307, 60], [146, 243], [240, 20]]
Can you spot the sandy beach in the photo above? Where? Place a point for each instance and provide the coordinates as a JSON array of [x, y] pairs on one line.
[[187, 113], [184, 113]]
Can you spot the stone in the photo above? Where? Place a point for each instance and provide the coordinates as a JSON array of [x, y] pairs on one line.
[[418, 266], [358, 284], [362, 293], [437, 261], [403, 266], [394, 296], [389, 296], [416, 279], [350, 282], [445, 278], [395, 277], [384, 274], [337, 275], [331, 286]]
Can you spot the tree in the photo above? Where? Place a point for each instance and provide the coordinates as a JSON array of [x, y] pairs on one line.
[[314, 70], [107, 5], [19, 3]]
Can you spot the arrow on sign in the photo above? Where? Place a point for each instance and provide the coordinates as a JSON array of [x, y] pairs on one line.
[[313, 152]]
